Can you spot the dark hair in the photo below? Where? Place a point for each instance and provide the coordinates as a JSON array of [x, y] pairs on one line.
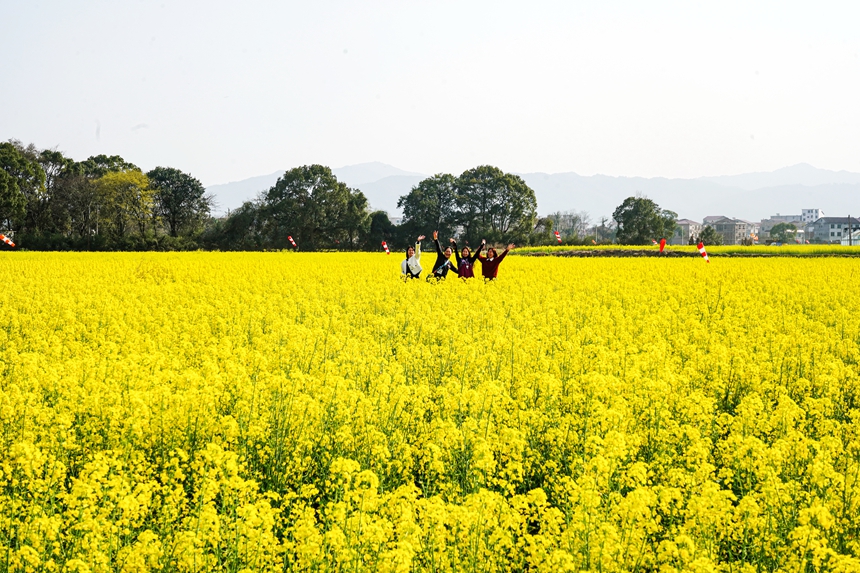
[[494, 252]]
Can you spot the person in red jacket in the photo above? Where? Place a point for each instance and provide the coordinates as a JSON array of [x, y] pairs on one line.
[[490, 263]]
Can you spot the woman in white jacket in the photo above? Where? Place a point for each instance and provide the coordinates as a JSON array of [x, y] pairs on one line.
[[410, 268]]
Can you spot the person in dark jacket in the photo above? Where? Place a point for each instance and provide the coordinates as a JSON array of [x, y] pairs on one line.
[[490, 263], [443, 263], [466, 260]]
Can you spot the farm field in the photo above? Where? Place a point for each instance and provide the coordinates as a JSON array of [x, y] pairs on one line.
[[312, 412]]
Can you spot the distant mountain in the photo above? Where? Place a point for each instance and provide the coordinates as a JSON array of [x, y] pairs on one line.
[[800, 174], [356, 175], [230, 196], [751, 196], [383, 194]]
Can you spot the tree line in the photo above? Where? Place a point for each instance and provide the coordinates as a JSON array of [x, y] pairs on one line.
[[50, 201]]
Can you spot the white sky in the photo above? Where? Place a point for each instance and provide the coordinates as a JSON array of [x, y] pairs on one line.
[[230, 90]]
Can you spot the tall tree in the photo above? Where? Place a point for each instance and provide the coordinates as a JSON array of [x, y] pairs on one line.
[[54, 213], [640, 220], [180, 199], [311, 205], [23, 177], [127, 199], [356, 219], [495, 205], [431, 205]]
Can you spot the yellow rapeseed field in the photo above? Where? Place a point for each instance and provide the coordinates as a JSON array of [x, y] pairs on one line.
[[312, 412]]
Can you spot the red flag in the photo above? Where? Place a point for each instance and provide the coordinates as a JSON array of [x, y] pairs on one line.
[[557, 236], [385, 246], [702, 252], [593, 242], [292, 242], [655, 242], [662, 244], [6, 240]]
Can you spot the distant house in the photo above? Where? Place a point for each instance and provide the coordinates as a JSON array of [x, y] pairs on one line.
[[808, 216], [830, 229], [710, 219], [753, 229], [733, 231], [683, 230]]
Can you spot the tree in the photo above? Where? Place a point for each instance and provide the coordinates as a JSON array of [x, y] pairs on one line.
[[495, 205], [571, 225], [709, 236], [180, 199], [640, 220], [311, 205], [431, 205], [97, 166], [356, 220], [783, 232], [13, 203], [23, 177], [241, 230], [381, 229], [127, 201]]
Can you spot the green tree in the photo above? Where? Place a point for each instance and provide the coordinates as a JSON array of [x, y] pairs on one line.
[[13, 203], [311, 205], [495, 205], [709, 236], [240, 231], [23, 177], [381, 229], [97, 166], [431, 206], [783, 232], [640, 220], [180, 199], [127, 200]]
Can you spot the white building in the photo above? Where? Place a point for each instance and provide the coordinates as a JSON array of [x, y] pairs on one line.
[[810, 215], [683, 230]]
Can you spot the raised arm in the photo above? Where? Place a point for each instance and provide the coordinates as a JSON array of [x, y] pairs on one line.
[[477, 254], [456, 251], [506, 251], [436, 241], [418, 247]]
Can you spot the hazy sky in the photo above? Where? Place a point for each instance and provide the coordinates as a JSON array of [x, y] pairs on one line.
[[229, 90]]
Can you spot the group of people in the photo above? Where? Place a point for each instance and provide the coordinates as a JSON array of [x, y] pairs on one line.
[[411, 268]]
